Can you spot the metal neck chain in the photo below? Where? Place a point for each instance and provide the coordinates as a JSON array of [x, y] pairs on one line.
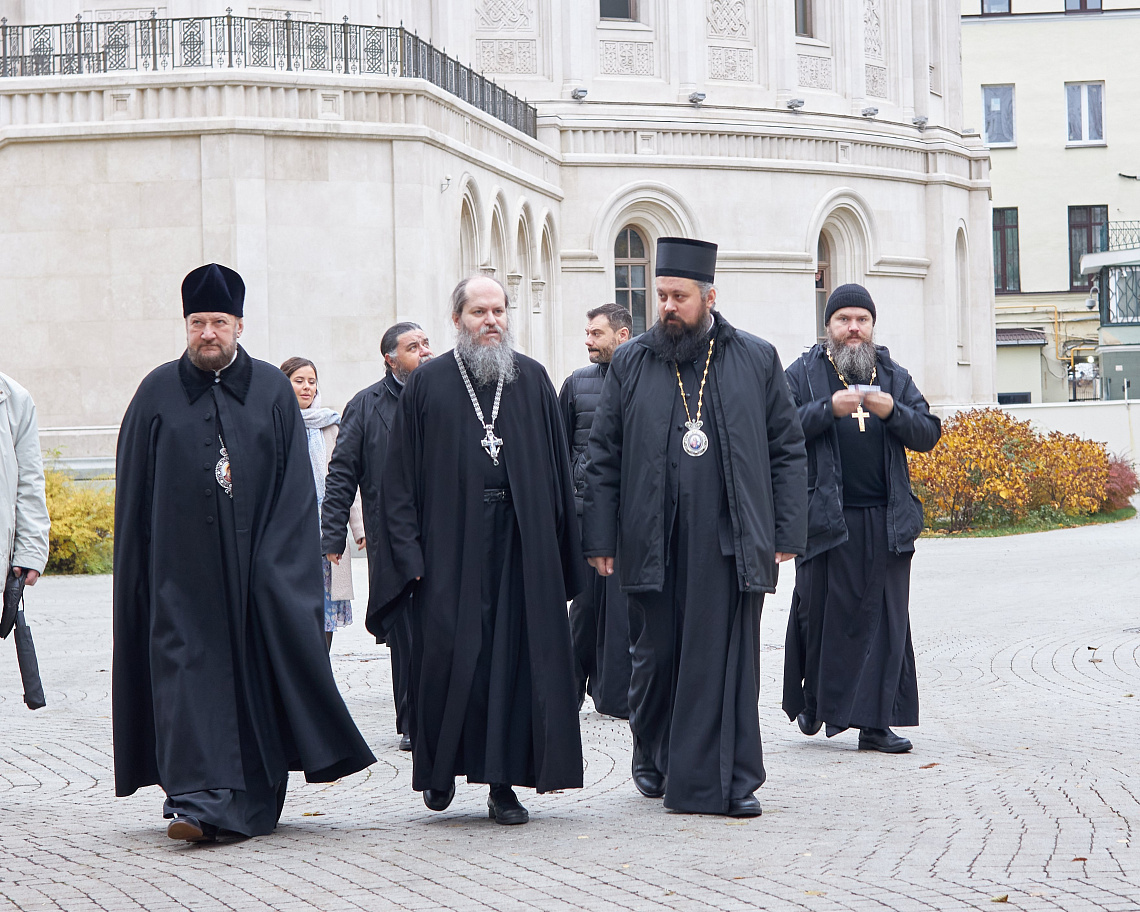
[[842, 379], [474, 399], [700, 392]]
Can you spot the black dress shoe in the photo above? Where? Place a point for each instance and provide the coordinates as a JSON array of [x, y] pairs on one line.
[[883, 739], [503, 806], [809, 725], [191, 829], [438, 799], [646, 776], [748, 806], [405, 742]]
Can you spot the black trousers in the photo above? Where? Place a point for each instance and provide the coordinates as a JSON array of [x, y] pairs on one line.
[[599, 630], [399, 640], [696, 679], [848, 657]]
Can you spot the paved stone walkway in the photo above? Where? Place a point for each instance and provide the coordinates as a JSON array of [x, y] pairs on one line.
[[1023, 782]]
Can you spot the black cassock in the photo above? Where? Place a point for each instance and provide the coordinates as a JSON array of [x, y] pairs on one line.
[[492, 690], [221, 680]]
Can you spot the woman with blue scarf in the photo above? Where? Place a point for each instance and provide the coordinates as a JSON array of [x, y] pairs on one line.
[[321, 428]]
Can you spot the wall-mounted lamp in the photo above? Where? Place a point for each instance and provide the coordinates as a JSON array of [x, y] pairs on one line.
[[446, 183], [921, 121], [696, 97], [578, 94], [795, 103], [870, 112]]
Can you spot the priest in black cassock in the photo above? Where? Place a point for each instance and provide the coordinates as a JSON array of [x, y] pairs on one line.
[[848, 661], [220, 682], [696, 476], [480, 528]]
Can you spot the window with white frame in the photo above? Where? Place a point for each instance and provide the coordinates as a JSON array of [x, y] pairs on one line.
[[1085, 102], [997, 109]]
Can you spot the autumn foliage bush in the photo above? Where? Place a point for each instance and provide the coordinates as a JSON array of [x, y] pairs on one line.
[[989, 469], [82, 525]]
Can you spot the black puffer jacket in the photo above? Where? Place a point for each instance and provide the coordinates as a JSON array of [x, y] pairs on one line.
[[578, 401], [762, 453], [910, 424]]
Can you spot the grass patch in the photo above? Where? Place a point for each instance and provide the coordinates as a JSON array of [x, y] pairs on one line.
[[1044, 520]]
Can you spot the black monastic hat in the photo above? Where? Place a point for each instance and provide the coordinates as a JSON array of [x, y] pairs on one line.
[[687, 258], [213, 289]]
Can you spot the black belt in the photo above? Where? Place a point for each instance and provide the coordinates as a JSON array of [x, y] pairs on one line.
[[496, 495]]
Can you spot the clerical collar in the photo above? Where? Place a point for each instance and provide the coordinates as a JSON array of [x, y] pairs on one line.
[[235, 377]]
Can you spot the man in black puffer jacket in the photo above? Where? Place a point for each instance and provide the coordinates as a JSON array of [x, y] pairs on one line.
[[599, 616], [849, 662]]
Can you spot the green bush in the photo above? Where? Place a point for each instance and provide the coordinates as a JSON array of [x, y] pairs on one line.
[[82, 526]]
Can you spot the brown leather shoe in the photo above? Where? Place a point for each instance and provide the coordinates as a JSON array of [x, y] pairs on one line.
[[191, 829]]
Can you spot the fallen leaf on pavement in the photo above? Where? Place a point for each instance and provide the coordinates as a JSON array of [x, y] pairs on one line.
[[814, 893], [927, 766], [1096, 660], [1003, 898], [313, 814], [736, 823], [1080, 858]]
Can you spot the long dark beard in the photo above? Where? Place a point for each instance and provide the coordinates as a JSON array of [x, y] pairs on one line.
[[689, 344], [212, 361], [486, 363], [855, 362]]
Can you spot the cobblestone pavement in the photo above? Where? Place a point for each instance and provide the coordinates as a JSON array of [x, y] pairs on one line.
[[1022, 782]]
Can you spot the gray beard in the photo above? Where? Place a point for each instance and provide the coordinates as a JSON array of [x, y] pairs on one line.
[[855, 362], [487, 363]]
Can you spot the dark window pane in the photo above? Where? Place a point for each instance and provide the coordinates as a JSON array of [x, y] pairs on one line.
[[636, 245], [1007, 268], [1012, 261], [637, 277], [994, 6], [621, 276], [1096, 123], [617, 9], [803, 18], [621, 248], [622, 298], [637, 309]]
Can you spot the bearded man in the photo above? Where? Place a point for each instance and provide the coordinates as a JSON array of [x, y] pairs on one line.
[[220, 681], [358, 464], [599, 616], [696, 476], [480, 529], [848, 660]]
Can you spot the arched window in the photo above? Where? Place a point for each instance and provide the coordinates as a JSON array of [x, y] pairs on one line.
[[468, 241], [631, 273], [823, 285], [962, 263]]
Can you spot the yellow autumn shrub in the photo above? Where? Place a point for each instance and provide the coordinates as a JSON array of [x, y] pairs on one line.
[[1071, 473], [82, 525]]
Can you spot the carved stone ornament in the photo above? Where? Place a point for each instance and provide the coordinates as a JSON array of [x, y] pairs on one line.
[[514, 280], [731, 63], [872, 30], [814, 72], [504, 15], [876, 78], [727, 19], [507, 55], [627, 58], [537, 286]]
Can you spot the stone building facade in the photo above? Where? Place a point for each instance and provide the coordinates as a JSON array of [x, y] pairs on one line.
[[817, 143]]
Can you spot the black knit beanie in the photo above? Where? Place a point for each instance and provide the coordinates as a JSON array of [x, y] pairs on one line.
[[849, 296]]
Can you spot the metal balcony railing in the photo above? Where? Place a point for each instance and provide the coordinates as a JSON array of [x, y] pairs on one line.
[[237, 42], [1123, 235]]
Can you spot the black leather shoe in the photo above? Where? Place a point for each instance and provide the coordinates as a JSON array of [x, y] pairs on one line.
[[883, 739], [405, 742], [648, 779], [191, 829], [809, 725], [503, 806], [438, 799], [744, 807]]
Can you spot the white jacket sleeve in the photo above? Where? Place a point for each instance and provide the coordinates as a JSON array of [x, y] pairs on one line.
[[30, 544]]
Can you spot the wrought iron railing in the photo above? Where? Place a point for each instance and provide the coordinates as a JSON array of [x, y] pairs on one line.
[[1123, 235], [1119, 294], [224, 42]]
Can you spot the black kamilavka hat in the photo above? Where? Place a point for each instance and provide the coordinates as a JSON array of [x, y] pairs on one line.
[[687, 258], [213, 289]]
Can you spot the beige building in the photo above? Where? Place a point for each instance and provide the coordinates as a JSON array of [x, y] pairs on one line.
[[817, 143], [1050, 85]]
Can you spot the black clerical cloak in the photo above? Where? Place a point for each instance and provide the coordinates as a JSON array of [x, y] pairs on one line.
[[181, 689], [433, 501]]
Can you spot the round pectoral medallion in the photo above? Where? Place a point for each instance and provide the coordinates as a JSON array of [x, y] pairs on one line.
[[695, 442]]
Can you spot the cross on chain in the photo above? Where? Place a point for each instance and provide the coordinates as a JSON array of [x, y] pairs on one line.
[[859, 415], [491, 443]]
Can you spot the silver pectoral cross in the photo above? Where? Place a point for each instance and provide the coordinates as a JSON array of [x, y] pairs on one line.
[[491, 443]]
